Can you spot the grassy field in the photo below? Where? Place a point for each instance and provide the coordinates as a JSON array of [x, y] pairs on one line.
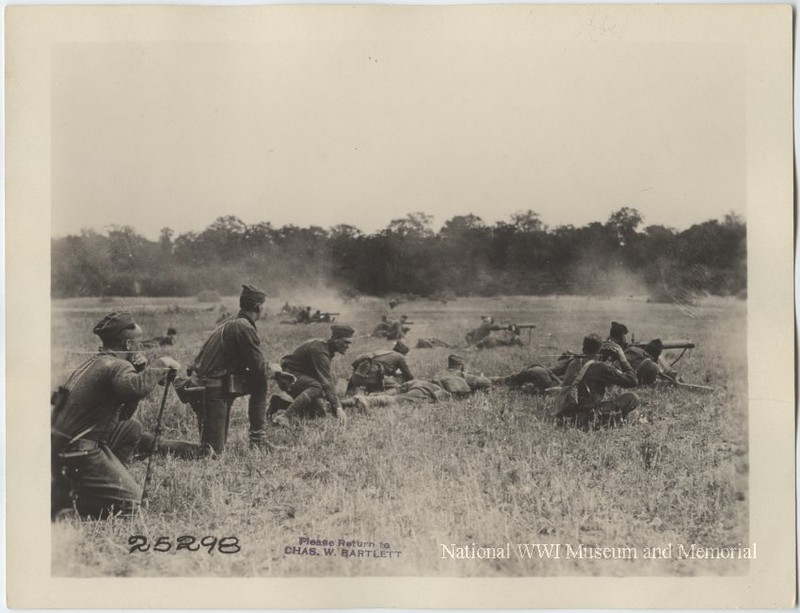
[[488, 472]]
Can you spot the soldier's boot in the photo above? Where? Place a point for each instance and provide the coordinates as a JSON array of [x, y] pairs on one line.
[[282, 419], [366, 403], [258, 441], [304, 405]]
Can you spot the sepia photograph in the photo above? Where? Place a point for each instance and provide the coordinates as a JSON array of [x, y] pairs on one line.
[[390, 294]]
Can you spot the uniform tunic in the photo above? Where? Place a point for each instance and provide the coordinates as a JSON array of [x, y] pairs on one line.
[[591, 391], [234, 348], [370, 369], [311, 364], [92, 435]]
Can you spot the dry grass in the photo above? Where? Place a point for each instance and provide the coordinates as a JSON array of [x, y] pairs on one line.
[[488, 471]]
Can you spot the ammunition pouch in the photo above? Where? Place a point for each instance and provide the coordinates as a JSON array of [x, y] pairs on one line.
[[188, 389], [284, 380], [236, 384]]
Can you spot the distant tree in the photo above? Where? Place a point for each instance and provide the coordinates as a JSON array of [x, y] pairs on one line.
[[165, 239], [413, 225], [625, 222], [527, 221]]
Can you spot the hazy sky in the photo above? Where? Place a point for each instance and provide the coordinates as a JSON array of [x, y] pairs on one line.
[[361, 131]]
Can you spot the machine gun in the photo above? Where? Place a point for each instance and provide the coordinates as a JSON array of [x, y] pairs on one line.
[[683, 344], [528, 327]]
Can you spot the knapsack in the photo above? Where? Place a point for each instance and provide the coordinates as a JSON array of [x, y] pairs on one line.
[[567, 396]]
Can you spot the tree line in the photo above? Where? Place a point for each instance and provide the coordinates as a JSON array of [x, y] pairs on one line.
[[465, 256]]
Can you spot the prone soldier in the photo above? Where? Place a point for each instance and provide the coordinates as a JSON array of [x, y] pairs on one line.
[[535, 378], [455, 382]]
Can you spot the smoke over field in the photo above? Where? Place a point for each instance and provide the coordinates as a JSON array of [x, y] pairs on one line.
[[481, 473]]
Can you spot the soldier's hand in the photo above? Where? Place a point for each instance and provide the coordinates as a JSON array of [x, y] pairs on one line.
[[139, 361], [168, 362]]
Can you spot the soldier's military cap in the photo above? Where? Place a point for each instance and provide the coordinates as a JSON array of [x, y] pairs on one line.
[[591, 344], [618, 328], [455, 361], [400, 347], [253, 294], [341, 331], [112, 324], [654, 348]]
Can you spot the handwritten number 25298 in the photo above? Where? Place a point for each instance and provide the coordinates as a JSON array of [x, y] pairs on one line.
[[163, 544]]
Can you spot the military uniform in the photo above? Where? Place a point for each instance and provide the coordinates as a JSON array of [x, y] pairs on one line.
[[416, 391], [314, 389], [589, 379], [619, 334], [92, 433], [647, 363], [504, 338], [536, 378], [93, 436], [230, 364], [370, 371], [459, 382]]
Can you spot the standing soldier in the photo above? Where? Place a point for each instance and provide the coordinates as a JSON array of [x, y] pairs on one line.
[[231, 364], [314, 388], [93, 435], [371, 369]]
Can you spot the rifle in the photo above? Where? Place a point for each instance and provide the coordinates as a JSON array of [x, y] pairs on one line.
[[171, 373]]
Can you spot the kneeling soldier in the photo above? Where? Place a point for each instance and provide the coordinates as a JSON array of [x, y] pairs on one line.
[[581, 400], [314, 388], [371, 370], [93, 436], [231, 364]]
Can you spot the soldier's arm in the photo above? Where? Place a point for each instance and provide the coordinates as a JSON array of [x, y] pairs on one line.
[[478, 382], [571, 371], [613, 376], [132, 385], [405, 371], [321, 362]]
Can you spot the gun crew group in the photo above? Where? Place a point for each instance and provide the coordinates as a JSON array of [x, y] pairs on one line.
[[94, 434]]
